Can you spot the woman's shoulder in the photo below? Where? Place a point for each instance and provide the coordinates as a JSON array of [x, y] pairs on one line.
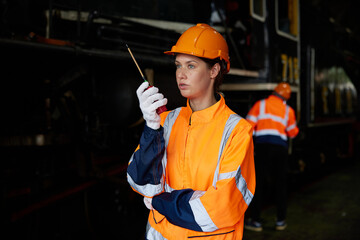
[[242, 125], [241, 121], [170, 113]]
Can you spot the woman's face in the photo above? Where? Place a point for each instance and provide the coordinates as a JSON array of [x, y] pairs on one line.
[[195, 80]]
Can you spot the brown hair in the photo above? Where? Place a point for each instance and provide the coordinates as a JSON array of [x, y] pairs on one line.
[[219, 78]]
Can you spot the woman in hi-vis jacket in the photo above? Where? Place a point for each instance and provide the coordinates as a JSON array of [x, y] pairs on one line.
[[194, 165]]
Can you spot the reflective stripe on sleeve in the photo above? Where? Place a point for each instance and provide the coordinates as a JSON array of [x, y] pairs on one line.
[[151, 189], [227, 175], [148, 190], [242, 186], [291, 127], [251, 118], [201, 216]]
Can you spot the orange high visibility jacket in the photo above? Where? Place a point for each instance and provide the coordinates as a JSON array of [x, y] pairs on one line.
[[200, 174], [273, 121]]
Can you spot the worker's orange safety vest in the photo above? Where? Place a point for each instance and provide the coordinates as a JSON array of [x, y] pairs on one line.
[[273, 121]]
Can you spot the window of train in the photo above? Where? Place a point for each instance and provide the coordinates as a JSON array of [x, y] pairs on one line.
[[258, 9], [287, 18]]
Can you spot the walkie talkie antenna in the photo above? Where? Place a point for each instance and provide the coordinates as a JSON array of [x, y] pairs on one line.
[[160, 109], [132, 56]]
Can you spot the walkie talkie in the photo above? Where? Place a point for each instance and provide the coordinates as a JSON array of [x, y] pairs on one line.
[[159, 110]]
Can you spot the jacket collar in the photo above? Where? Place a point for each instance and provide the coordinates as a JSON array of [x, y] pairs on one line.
[[276, 98], [207, 114]]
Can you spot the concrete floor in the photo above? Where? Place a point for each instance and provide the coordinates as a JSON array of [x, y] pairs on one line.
[[327, 209]]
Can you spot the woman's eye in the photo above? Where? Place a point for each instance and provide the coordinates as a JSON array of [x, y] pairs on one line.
[[177, 66], [191, 66]]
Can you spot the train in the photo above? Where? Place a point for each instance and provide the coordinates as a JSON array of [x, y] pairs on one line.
[[70, 116]]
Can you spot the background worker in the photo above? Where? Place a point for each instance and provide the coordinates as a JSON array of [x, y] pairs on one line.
[[194, 165], [273, 122]]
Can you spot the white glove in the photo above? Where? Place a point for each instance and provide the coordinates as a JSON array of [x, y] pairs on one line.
[[150, 99], [148, 203]]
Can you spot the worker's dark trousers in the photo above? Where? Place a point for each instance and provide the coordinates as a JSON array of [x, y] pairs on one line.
[[271, 166]]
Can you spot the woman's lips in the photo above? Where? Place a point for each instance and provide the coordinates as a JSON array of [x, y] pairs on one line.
[[182, 86]]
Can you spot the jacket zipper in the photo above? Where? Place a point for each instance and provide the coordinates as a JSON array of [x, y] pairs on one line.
[[184, 156]]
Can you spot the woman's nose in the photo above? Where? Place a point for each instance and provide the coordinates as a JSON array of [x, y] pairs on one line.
[[180, 74]]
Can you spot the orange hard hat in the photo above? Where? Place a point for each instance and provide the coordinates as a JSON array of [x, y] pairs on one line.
[[284, 90], [202, 41]]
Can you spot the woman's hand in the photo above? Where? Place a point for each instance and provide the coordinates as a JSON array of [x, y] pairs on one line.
[[150, 99]]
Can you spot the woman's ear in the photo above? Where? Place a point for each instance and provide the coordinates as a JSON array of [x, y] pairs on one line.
[[215, 70]]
